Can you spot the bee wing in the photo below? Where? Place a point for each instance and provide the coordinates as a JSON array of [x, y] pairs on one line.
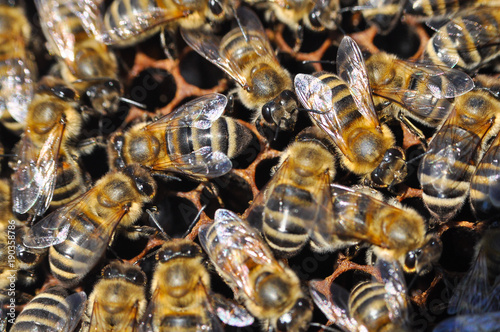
[[481, 322], [199, 113], [447, 38], [207, 45], [472, 294], [396, 291], [200, 163], [254, 32], [316, 95], [230, 312], [35, 182], [54, 228], [333, 302], [352, 69], [319, 199], [242, 243], [17, 87], [450, 145], [74, 305]]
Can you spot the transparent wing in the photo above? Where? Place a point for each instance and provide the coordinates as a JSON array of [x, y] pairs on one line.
[[470, 323], [207, 45], [315, 95], [241, 245], [90, 16], [35, 182], [352, 69], [333, 302], [57, 31], [17, 87], [230, 312], [396, 291], [199, 113], [251, 27], [451, 145], [75, 305], [472, 294], [54, 228], [200, 163]]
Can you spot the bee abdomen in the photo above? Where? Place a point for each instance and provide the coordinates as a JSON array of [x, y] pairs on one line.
[[69, 261], [484, 195], [41, 313], [69, 184], [368, 305], [301, 212], [183, 323]]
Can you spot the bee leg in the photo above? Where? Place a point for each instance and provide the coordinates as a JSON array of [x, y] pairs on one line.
[[412, 128], [230, 101], [168, 44], [299, 37], [166, 177], [88, 145]]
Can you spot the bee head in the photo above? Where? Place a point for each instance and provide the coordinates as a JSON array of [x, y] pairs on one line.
[[117, 270], [391, 170], [281, 111], [420, 260], [143, 181], [104, 96], [298, 318], [181, 248]]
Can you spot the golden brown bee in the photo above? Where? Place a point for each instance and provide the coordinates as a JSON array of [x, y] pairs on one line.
[[117, 301], [51, 310], [128, 22], [383, 14], [371, 305], [455, 150], [246, 55], [313, 14], [342, 107], [194, 140], [17, 69], [181, 297], [442, 9], [478, 291], [397, 233], [79, 232], [298, 195], [46, 169], [468, 42], [72, 29], [270, 291], [414, 88]]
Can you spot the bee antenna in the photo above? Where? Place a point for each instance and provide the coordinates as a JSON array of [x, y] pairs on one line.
[[152, 217], [309, 110], [324, 327], [195, 220], [277, 130], [115, 254], [8, 155], [133, 103]]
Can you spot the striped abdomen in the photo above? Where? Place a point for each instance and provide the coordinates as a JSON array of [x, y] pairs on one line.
[[44, 312], [72, 259], [69, 183], [485, 184], [368, 306], [287, 213], [437, 8], [225, 135], [469, 41]]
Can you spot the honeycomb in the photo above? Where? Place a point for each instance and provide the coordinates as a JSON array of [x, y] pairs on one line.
[[163, 84]]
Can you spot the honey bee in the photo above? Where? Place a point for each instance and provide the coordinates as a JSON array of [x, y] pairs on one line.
[[416, 86], [479, 289], [128, 22], [246, 55], [298, 195], [181, 297], [315, 15], [117, 301], [79, 232], [371, 305], [397, 233], [344, 110], [383, 14], [194, 140], [270, 291], [51, 310], [443, 9], [467, 42], [17, 69], [453, 153], [72, 29], [45, 161]]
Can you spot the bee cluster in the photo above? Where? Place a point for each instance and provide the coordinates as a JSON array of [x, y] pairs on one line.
[[351, 182]]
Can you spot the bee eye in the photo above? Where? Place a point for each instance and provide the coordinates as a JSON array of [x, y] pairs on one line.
[[215, 7], [64, 92], [145, 187], [314, 18], [110, 271], [165, 254], [136, 277], [410, 260], [267, 111], [27, 257]]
